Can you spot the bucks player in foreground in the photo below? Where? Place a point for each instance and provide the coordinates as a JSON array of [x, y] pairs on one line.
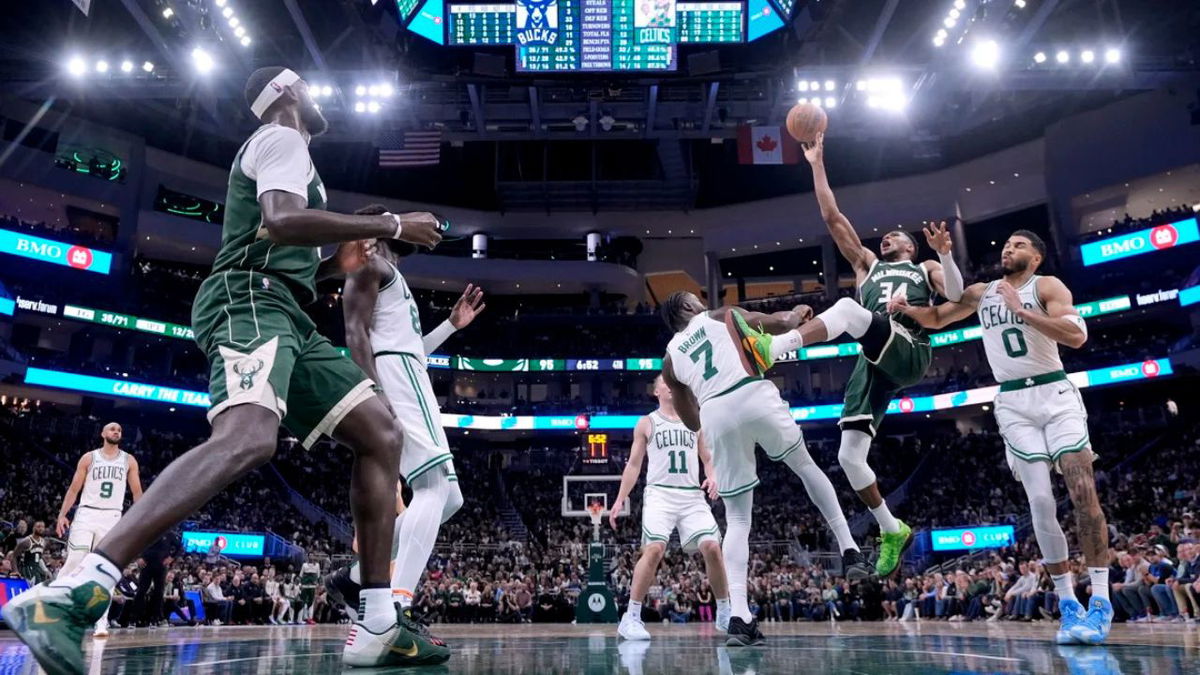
[[674, 500], [268, 365], [99, 482], [1025, 316], [895, 349], [714, 386], [383, 330]]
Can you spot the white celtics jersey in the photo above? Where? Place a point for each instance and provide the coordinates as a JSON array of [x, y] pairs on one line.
[[104, 487], [396, 323], [672, 454], [705, 358], [1015, 350]]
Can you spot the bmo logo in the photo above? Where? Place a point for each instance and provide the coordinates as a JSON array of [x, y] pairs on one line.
[[968, 538], [907, 405], [1151, 369], [58, 253], [1130, 246], [79, 257], [40, 248], [1164, 236]]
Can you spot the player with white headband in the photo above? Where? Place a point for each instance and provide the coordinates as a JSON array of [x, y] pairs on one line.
[[268, 366]]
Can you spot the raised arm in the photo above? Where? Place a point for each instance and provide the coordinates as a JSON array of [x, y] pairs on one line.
[[940, 316], [81, 468], [944, 276], [860, 257], [633, 468], [1061, 322], [287, 220], [468, 306], [685, 401], [135, 479], [359, 296]]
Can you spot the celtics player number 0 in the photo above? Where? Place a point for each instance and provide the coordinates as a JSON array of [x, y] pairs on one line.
[[1014, 342]]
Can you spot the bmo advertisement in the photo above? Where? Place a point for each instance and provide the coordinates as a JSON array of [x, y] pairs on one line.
[[972, 538], [48, 250], [230, 544], [1140, 242]]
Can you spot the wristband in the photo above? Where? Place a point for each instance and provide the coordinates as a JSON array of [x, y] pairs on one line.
[[399, 225]]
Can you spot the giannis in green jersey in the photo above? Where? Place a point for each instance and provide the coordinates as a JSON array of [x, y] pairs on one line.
[[905, 277]]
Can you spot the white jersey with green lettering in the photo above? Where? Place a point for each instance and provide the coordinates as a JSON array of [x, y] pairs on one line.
[[396, 323], [705, 359], [104, 487], [1015, 350], [672, 454]]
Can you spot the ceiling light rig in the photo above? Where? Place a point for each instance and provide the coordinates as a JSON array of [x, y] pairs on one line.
[[227, 11]]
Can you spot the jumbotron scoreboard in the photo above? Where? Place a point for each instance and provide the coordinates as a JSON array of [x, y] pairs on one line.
[[594, 35]]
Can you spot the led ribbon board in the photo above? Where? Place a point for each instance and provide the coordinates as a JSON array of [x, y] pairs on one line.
[[1141, 242], [110, 387], [973, 538], [232, 545], [56, 252]]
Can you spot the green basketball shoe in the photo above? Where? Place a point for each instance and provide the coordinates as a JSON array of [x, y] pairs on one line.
[[755, 344], [892, 546], [52, 620]]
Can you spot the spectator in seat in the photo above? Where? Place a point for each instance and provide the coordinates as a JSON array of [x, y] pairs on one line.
[[217, 608], [1185, 578], [1161, 570]]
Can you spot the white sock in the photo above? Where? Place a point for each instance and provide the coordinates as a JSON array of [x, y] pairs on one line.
[[820, 491], [375, 609], [417, 530], [356, 573], [405, 598], [635, 610], [887, 522], [782, 344], [736, 549], [722, 604], [1099, 577], [1064, 586], [94, 567]]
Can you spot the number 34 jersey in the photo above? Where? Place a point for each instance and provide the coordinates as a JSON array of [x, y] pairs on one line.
[[1015, 350], [705, 359]]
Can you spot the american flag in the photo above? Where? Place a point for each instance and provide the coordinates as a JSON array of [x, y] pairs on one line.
[[398, 149]]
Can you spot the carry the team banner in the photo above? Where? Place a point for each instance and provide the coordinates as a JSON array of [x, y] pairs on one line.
[[537, 22]]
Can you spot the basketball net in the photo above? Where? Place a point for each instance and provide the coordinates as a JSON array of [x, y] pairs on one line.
[[596, 513]]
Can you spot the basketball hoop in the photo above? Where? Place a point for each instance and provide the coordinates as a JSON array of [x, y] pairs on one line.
[[596, 512]]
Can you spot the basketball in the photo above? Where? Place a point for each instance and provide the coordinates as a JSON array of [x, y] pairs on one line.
[[805, 121]]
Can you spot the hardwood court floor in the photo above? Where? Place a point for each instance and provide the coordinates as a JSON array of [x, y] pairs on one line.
[[694, 649]]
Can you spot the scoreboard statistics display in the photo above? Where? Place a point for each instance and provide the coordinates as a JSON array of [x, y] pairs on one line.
[[597, 35]]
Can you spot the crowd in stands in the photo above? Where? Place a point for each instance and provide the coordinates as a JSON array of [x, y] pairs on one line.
[[66, 233], [1131, 224]]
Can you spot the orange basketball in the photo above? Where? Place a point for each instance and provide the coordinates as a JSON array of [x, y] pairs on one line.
[[805, 121]]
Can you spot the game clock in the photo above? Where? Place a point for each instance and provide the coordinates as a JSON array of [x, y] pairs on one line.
[[595, 449]]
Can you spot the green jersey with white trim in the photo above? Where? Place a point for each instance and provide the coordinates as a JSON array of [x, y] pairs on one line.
[[886, 279], [273, 158]]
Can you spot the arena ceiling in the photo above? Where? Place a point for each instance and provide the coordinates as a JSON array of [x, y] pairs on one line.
[[513, 138]]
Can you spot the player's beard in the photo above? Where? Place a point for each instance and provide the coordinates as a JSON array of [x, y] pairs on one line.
[[893, 255], [313, 120], [1014, 266]]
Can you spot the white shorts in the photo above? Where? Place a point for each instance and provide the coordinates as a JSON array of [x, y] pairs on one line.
[[89, 527], [668, 509], [1042, 423], [734, 423], [407, 387]]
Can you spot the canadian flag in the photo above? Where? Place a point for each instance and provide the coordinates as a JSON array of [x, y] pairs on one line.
[[766, 145]]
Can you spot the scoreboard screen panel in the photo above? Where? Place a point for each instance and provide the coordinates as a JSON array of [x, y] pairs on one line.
[[785, 7], [701, 22], [406, 8], [596, 451], [482, 24]]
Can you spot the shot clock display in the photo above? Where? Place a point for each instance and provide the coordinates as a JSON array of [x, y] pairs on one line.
[[596, 450], [593, 35]]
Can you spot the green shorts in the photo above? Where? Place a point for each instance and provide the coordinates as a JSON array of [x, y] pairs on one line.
[[873, 384], [264, 350]]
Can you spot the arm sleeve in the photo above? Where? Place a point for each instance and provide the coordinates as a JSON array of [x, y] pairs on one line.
[[277, 159], [953, 278], [434, 338]]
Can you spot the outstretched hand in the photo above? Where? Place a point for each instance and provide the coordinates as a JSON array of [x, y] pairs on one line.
[[814, 152], [468, 306], [938, 237]]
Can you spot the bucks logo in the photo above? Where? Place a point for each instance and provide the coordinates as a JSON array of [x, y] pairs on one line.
[[247, 369], [537, 22]]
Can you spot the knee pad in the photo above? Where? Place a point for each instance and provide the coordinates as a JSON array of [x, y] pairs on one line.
[[852, 455], [846, 316], [1050, 537]]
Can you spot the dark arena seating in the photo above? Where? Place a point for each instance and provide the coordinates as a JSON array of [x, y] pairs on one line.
[[562, 182]]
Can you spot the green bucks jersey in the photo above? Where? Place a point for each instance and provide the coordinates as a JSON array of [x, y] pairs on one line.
[[885, 279], [273, 158]]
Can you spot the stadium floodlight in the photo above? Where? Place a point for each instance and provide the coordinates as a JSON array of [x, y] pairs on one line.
[[221, 3], [986, 54], [950, 22], [102, 66], [803, 85], [830, 85], [360, 90], [861, 85], [148, 67], [1019, 4], [245, 40], [1063, 56], [938, 41], [373, 107], [227, 12], [202, 60], [360, 107], [168, 12], [1112, 55], [814, 85], [954, 14], [960, 4], [386, 90], [327, 90], [76, 66], [234, 22], [803, 100], [1039, 57], [373, 90], [1087, 56], [239, 31], [127, 66], [830, 102]]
